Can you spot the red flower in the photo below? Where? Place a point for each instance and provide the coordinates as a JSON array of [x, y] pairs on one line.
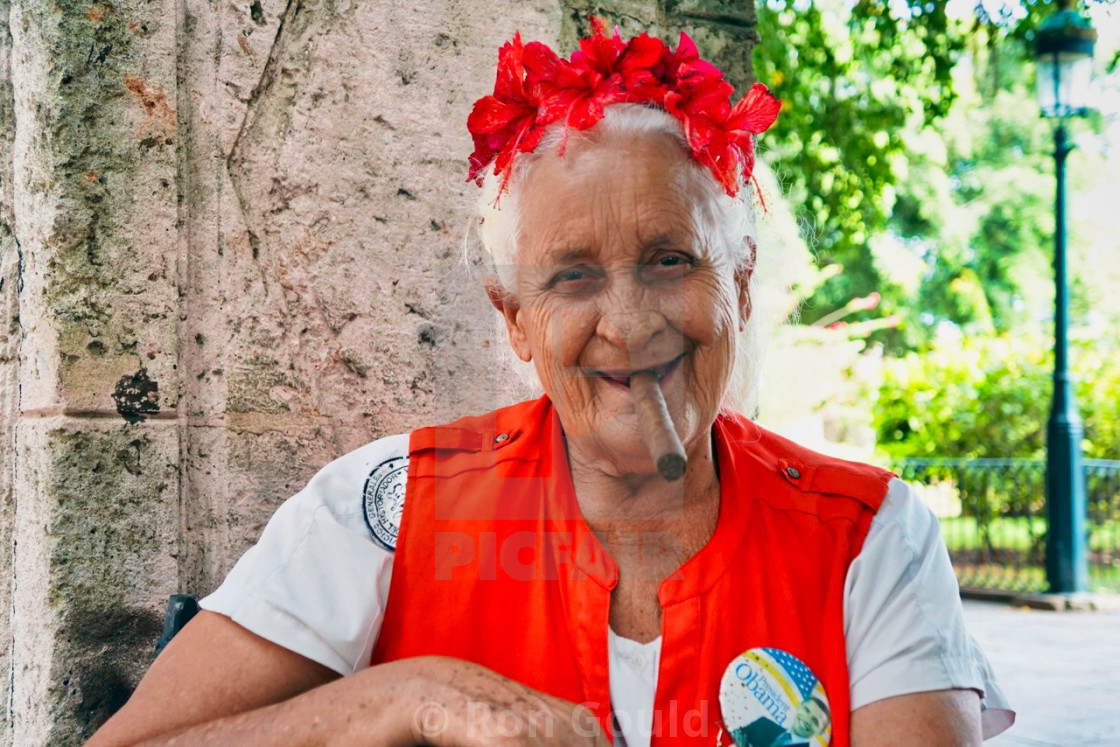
[[685, 54], [755, 112], [512, 119], [702, 102], [752, 116], [589, 81], [599, 51], [535, 88], [722, 138], [637, 65]]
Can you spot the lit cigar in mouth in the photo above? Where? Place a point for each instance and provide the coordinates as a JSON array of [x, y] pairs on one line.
[[657, 427]]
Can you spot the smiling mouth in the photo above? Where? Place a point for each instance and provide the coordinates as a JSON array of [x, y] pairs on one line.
[[622, 377]]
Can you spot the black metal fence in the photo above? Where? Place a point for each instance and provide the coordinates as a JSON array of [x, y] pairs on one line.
[[993, 518]]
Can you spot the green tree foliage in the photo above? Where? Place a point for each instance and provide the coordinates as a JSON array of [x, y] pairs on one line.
[[987, 396], [912, 150], [910, 144], [852, 80], [975, 203]]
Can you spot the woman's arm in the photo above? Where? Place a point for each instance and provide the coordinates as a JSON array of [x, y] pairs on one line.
[[211, 669], [904, 625], [944, 718], [217, 683]]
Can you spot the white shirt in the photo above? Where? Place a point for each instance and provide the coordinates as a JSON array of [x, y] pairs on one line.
[[318, 580]]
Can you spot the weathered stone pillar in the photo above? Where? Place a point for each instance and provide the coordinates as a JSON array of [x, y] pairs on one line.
[[94, 160], [230, 241], [9, 369]]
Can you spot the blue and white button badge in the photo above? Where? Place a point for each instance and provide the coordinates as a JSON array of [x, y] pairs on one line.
[[769, 698]]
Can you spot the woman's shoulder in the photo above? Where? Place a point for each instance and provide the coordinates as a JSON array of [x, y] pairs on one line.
[[354, 488], [359, 464], [478, 432], [802, 468], [320, 570]]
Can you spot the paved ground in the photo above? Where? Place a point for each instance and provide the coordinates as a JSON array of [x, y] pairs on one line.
[[1060, 670]]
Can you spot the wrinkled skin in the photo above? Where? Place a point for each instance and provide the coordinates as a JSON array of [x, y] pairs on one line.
[[618, 271]]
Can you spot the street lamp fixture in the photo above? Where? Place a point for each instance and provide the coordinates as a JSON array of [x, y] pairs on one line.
[[1064, 65], [1064, 62]]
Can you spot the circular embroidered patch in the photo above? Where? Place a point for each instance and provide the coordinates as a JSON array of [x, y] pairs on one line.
[[383, 500], [769, 697]]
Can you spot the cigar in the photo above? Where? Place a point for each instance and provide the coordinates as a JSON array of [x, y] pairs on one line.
[[657, 426]]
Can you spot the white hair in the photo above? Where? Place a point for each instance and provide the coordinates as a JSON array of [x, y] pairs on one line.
[[731, 222]]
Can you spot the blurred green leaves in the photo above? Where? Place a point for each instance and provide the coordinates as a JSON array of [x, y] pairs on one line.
[[854, 80], [988, 396], [912, 151]]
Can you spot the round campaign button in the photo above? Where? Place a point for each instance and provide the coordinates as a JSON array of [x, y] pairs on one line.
[[769, 698]]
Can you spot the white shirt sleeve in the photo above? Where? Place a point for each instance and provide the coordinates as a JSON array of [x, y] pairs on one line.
[[904, 624], [282, 589]]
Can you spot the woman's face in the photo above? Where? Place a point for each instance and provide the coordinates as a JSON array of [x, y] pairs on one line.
[[617, 273]]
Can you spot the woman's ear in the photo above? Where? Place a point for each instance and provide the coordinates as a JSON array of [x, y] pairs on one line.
[[743, 282], [506, 304]]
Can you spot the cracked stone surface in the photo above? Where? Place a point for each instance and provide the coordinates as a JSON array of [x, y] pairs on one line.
[[9, 351], [231, 240]]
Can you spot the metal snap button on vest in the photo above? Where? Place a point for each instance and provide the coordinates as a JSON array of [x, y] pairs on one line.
[[501, 437], [793, 472]]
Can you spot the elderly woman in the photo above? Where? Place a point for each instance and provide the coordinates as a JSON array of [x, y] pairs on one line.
[[624, 559]]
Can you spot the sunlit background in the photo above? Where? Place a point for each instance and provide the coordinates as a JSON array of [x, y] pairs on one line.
[[911, 206]]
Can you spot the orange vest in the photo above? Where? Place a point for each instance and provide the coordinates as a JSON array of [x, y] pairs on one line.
[[494, 564]]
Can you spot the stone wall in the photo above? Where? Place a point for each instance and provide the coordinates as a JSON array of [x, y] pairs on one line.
[[230, 240], [10, 261]]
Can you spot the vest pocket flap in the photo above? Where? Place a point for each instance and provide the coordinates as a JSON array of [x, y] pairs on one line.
[[866, 484], [445, 438]]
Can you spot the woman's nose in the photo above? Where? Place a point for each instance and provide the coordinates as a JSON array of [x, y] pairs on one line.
[[630, 316]]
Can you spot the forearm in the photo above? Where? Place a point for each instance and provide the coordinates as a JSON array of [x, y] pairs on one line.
[[374, 706], [217, 683]]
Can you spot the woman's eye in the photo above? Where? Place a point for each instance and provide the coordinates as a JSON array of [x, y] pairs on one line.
[[672, 265], [570, 276], [574, 279]]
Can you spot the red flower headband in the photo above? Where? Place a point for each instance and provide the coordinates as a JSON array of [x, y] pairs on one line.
[[535, 88]]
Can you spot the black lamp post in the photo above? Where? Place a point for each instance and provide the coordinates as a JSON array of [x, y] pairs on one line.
[[1064, 57]]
